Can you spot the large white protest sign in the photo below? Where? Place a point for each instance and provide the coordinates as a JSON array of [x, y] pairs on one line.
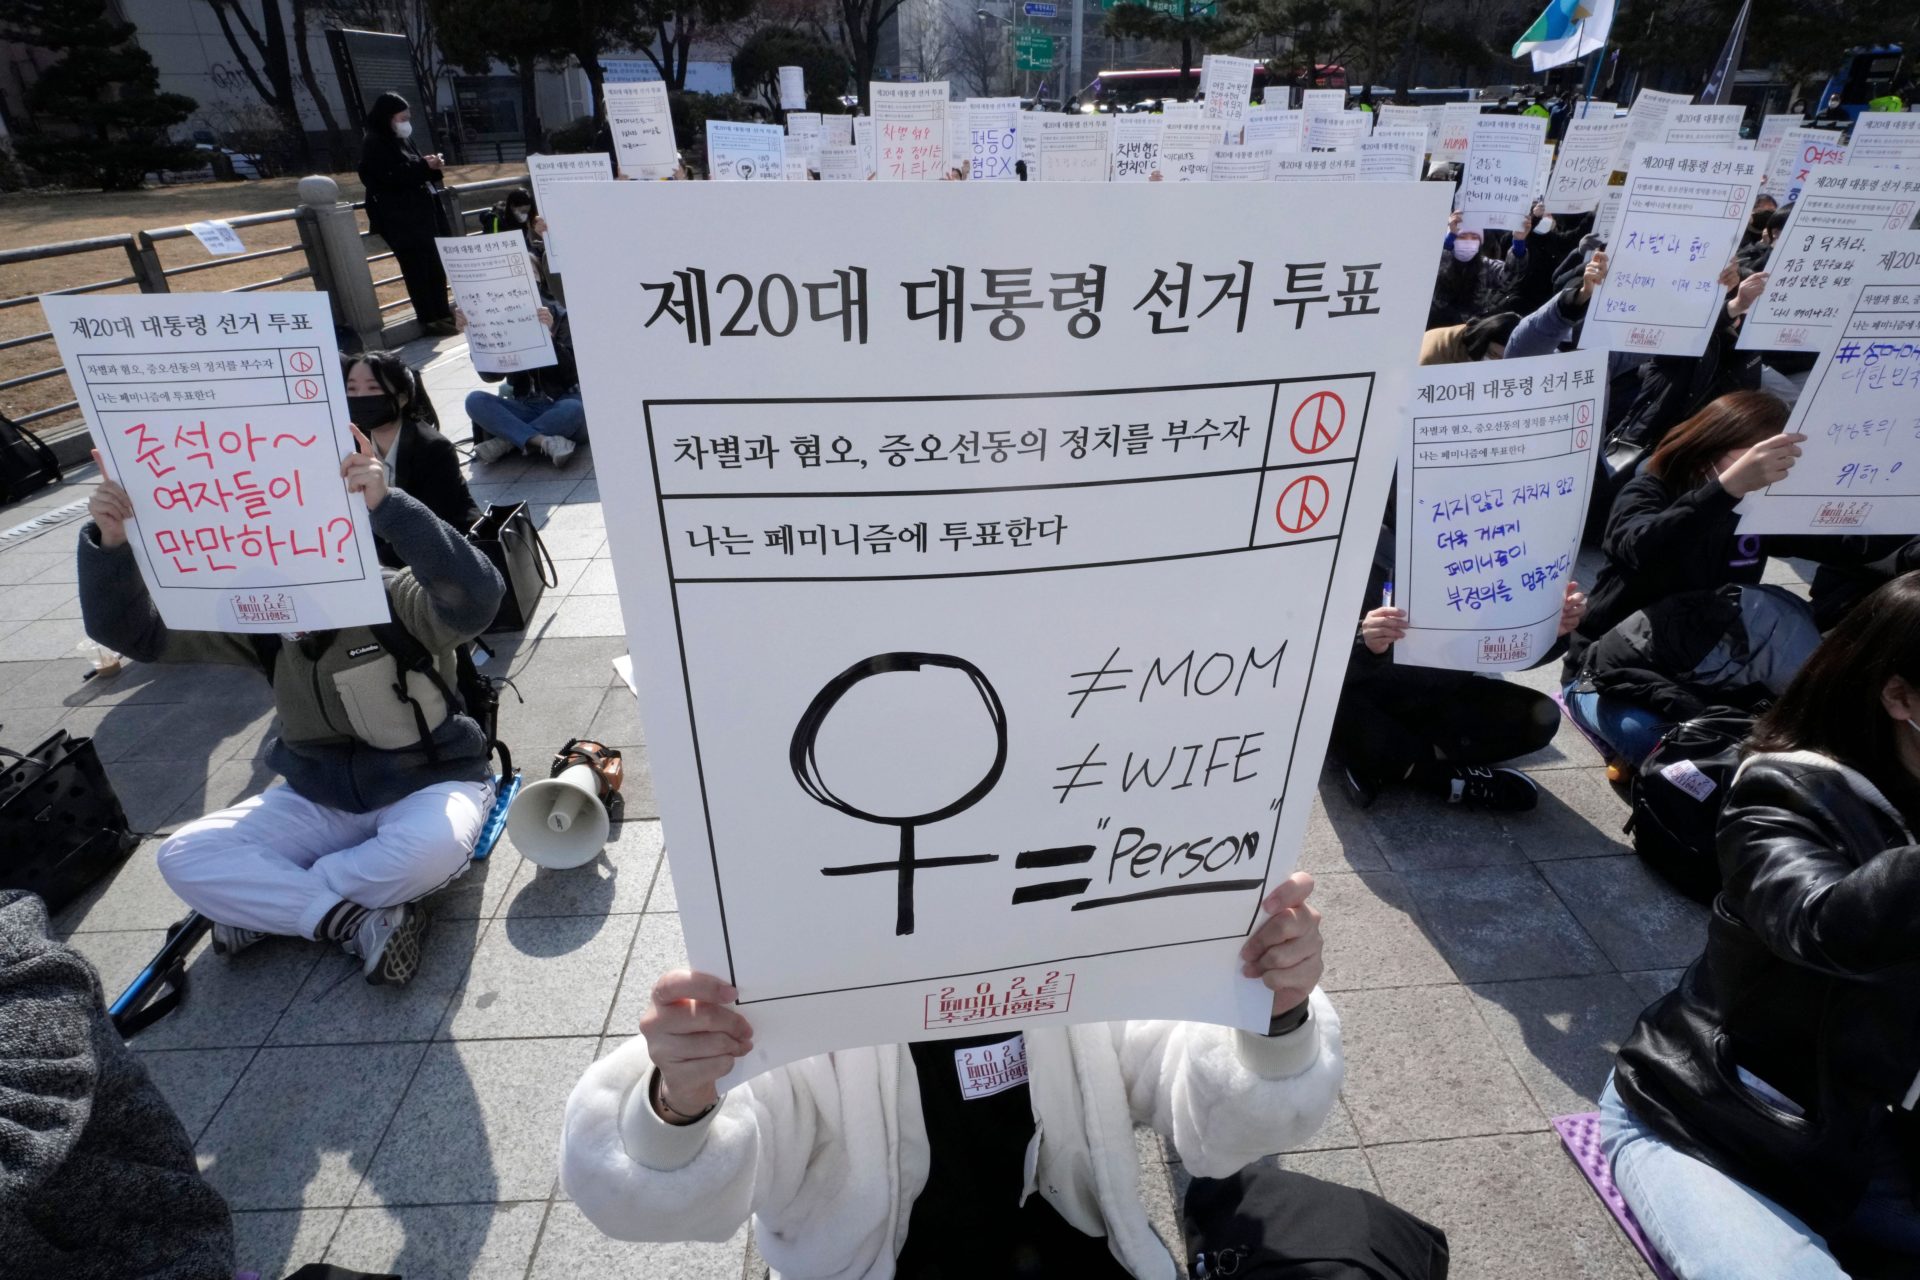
[[1607, 214], [1327, 132], [1800, 152], [1241, 164], [1136, 148], [1647, 122], [1389, 116], [1316, 166], [1692, 126], [863, 138], [1180, 110], [794, 159], [1773, 128], [548, 174], [1884, 139], [793, 88], [970, 782], [1186, 150], [1275, 128], [1543, 169], [993, 128], [499, 299], [1391, 159], [836, 131], [910, 131], [1323, 101], [1859, 469], [217, 237], [1495, 476], [1680, 220], [1229, 93], [959, 139], [224, 417], [1073, 148], [1585, 163], [741, 152], [1814, 269], [805, 126], [842, 164], [642, 127], [1452, 135], [1496, 187]]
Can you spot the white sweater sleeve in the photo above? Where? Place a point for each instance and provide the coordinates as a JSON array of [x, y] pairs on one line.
[[637, 1177], [1225, 1097]]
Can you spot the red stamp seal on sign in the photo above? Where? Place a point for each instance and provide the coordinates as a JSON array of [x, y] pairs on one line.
[[1318, 422], [1023, 995], [1302, 503]]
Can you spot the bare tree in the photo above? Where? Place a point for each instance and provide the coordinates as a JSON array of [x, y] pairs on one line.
[[978, 51], [924, 43]]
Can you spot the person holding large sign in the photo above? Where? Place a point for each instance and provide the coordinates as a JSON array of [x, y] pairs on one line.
[[387, 780]]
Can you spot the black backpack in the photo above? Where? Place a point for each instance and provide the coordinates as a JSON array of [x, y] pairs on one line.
[[1677, 795], [26, 464]]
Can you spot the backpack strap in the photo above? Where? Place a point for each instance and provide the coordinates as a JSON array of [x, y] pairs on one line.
[[409, 655]]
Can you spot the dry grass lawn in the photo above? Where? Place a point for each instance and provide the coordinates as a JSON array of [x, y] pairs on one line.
[[44, 219]]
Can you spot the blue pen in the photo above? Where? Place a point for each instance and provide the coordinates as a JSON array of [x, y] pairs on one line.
[[1386, 594]]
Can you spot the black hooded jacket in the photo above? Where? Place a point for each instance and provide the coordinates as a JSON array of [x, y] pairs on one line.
[[401, 207]]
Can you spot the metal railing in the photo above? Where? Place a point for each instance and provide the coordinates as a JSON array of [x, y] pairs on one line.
[[146, 272]]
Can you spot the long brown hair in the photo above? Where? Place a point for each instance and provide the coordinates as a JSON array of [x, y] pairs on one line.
[[1833, 705], [1738, 420]]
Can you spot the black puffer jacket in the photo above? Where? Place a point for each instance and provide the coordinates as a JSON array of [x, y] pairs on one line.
[[1810, 981]]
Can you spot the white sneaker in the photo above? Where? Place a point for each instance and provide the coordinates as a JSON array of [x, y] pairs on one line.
[[230, 939], [492, 449], [558, 448], [388, 944]]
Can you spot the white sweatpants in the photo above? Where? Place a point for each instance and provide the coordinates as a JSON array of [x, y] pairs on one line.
[[278, 862]]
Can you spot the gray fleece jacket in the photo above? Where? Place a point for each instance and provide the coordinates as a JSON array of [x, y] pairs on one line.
[[97, 1176], [346, 740]]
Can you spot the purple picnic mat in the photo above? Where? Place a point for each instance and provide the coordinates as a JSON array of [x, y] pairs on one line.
[[1581, 1134], [1606, 753]]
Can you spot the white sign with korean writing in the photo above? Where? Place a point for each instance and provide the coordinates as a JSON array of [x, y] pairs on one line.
[[1317, 166], [805, 127], [993, 134], [1073, 148], [548, 174], [910, 131], [1335, 132], [1241, 164], [1136, 148], [1274, 128], [1800, 152], [1391, 159], [493, 285], [1681, 215], [642, 127], [1186, 151], [1773, 128], [1323, 101], [1496, 187], [1647, 122], [1814, 270], [1585, 163], [1229, 93], [1389, 116], [742, 152], [836, 131], [863, 139], [217, 237], [1885, 139], [1495, 476], [1058, 649], [1692, 126], [842, 164], [224, 417], [1452, 136], [793, 88], [1859, 469]]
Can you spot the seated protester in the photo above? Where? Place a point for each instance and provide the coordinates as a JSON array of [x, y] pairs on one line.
[[97, 1174], [541, 412], [875, 1162], [1763, 207], [385, 792], [1760, 1117], [1754, 255], [1437, 730], [1509, 336], [1674, 388], [516, 213], [1471, 279], [1873, 560], [1541, 243], [385, 401]]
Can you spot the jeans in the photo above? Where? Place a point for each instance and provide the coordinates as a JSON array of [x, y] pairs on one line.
[[1706, 1225], [1631, 731], [521, 420]]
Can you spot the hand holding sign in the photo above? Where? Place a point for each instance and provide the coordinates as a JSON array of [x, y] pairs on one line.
[[1379, 629], [1573, 609], [363, 471], [110, 508], [1286, 952], [693, 1038], [1766, 463]]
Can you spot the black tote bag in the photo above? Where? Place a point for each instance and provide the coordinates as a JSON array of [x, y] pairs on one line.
[[61, 825], [507, 536]]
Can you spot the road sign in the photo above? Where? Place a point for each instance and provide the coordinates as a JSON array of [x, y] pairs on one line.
[[1032, 50], [1171, 8], [1040, 9]]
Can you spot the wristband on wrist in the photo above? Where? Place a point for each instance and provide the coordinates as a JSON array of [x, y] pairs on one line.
[[659, 1087], [1285, 1023]]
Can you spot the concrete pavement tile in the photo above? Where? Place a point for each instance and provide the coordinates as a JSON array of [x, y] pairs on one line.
[[1418, 832], [636, 794], [617, 722], [195, 1081], [1640, 921], [481, 889], [1373, 937], [234, 1001], [541, 725], [576, 616], [278, 1242], [569, 515], [1651, 984], [1499, 923], [37, 683], [1157, 1193], [117, 957], [658, 946], [133, 897], [617, 881], [588, 492], [18, 567], [572, 1247], [299, 1129], [32, 601], [481, 1122], [443, 1242], [1580, 816], [1513, 1208], [224, 728], [575, 544], [118, 730], [565, 574], [24, 728], [201, 684], [663, 897], [1339, 837], [1347, 1168], [1337, 1132], [542, 977], [1421, 1064], [1561, 1034], [150, 790], [597, 580], [336, 1004], [52, 638], [584, 662], [1569, 749]]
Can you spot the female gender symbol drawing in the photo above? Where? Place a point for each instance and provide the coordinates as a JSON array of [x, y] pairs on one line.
[[806, 767]]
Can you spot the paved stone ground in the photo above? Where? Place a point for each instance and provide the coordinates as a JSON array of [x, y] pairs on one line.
[[1485, 966]]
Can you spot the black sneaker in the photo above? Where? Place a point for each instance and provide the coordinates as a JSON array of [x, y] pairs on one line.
[[388, 944], [1506, 789]]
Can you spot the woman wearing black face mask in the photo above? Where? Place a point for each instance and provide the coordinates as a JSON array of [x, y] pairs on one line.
[[517, 213], [386, 402], [402, 208]]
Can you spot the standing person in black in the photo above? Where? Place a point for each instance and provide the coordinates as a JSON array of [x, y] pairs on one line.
[[402, 208]]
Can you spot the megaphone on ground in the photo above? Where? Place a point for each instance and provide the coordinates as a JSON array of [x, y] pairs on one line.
[[562, 822]]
